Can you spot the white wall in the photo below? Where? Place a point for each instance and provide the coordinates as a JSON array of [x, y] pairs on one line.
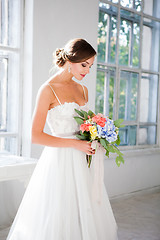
[[54, 23]]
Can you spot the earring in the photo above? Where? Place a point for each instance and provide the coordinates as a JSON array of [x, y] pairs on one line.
[[69, 69]]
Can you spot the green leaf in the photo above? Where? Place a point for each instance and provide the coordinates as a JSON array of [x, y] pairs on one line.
[[118, 140], [86, 116], [90, 113], [119, 159], [117, 151], [84, 112], [81, 137], [118, 122], [85, 133], [103, 142], [107, 153], [79, 112], [110, 148], [79, 120]]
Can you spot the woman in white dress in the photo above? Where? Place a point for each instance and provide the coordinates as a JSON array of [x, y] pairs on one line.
[[65, 200]]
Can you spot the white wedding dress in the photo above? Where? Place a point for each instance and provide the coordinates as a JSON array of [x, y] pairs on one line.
[[65, 200]]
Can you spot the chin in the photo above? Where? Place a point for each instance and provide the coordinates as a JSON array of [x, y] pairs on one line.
[[78, 78]]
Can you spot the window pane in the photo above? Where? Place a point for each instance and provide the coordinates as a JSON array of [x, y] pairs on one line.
[[3, 93], [129, 39], [8, 145], [124, 40], [147, 135], [128, 135], [102, 32], [114, 1], [107, 33], [148, 98], [150, 58], [136, 44], [4, 22], [105, 90], [10, 24], [9, 94], [151, 7], [136, 4], [100, 92], [128, 95], [127, 3], [112, 40]]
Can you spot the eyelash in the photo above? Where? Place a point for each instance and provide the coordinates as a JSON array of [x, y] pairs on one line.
[[83, 65]]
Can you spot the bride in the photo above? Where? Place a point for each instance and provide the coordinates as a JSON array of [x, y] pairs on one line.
[[65, 200]]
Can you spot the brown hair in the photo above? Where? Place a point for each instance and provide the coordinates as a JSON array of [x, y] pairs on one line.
[[76, 50]]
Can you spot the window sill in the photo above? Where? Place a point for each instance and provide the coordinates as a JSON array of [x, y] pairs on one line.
[[16, 167], [136, 152]]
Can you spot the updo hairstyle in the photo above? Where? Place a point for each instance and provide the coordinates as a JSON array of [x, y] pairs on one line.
[[76, 50]]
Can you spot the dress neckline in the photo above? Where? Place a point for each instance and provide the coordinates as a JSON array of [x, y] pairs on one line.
[[68, 103]]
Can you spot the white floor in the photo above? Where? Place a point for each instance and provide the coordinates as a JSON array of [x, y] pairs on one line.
[[137, 216]]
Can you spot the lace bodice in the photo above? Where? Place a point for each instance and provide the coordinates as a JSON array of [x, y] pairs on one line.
[[61, 118]]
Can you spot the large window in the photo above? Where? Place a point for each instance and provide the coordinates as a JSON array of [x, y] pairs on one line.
[[10, 52], [128, 70]]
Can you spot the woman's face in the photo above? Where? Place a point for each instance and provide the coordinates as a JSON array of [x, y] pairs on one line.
[[79, 70]]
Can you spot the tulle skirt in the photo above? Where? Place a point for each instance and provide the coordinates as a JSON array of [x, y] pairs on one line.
[[65, 200]]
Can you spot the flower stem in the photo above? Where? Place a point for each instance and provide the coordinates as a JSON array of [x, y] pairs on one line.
[[89, 158]]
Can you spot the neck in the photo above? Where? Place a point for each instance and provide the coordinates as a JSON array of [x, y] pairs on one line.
[[64, 76]]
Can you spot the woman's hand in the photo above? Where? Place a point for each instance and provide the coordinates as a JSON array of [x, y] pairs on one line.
[[84, 146]]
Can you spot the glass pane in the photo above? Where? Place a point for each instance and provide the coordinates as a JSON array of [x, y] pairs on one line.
[[107, 33], [100, 92], [135, 4], [150, 58], [124, 40], [112, 40], [136, 44], [110, 97], [127, 3], [128, 95], [148, 98], [129, 39], [127, 135], [9, 94], [114, 1], [10, 23], [147, 135], [3, 93], [102, 33], [151, 7], [8, 145], [105, 90], [4, 22]]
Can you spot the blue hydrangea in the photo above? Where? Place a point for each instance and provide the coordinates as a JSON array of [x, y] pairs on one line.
[[108, 131]]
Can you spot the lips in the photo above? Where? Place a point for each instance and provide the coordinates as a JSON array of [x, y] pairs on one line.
[[83, 75]]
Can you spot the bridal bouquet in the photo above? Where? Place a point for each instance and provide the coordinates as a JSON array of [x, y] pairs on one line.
[[100, 129]]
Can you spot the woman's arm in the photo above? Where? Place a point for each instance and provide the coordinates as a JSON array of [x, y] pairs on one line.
[[38, 136]]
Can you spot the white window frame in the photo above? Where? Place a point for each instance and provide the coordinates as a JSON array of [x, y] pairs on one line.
[[19, 82], [139, 70]]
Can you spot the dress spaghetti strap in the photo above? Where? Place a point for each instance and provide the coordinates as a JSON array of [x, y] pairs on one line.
[[84, 92], [55, 94]]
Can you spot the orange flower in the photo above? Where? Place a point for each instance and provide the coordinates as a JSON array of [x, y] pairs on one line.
[[85, 127], [99, 119]]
